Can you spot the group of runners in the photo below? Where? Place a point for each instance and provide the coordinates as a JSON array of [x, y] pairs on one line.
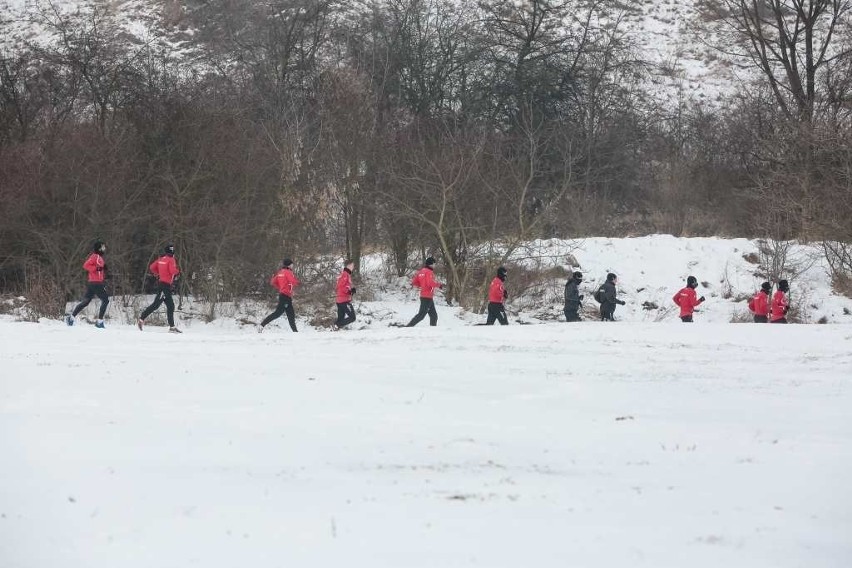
[[166, 272]]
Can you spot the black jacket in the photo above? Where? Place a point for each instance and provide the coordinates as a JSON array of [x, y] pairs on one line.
[[572, 295], [609, 294]]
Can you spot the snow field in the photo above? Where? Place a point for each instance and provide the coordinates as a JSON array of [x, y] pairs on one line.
[[628, 444]]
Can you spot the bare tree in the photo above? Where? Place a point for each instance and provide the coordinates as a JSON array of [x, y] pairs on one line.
[[791, 42]]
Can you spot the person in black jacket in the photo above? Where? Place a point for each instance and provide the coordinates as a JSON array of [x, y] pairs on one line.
[[573, 297], [608, 298]]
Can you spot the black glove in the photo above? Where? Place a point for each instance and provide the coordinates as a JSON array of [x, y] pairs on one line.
[[505, 293], [622, 302], [786, 309], [581, 297], [352, 290], [701, 299]]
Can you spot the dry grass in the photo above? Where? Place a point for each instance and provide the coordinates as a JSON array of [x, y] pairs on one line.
[[742, 317], [752, 258]]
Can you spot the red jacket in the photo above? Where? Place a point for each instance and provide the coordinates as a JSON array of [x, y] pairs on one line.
[[688, 300], [285, 281], [425, 280], [344, 287], [496, 291], [165, 268], [95, 265], [779, 305], [759, 303]]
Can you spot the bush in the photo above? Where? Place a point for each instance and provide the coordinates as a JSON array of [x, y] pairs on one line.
[[45, 298]]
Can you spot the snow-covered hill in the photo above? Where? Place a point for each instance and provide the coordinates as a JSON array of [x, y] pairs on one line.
[[666, 33], [605, 445]]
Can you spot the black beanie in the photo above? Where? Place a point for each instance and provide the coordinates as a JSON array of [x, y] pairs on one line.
[[98, 246], [783, 285], [287, 262], [610, 277], [692, 282], [578, 276], [766, 287], [169, 249], [429, 261], [502, 272]]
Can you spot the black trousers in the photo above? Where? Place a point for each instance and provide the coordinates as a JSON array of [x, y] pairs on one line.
[[572, 314], [285, 306], [761, 319], [607, 312], [427, 306], [782, 320], [686, 319], [93, 290], [164, 296], [345, 314], [497, 312]]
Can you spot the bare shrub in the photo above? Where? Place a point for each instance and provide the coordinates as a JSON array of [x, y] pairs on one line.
[[839, 258], [11, 305], [741, 317], [842, 284], [45, 298], [780, 260]]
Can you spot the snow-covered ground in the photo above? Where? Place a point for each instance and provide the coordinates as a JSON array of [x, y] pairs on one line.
[[626, 444]]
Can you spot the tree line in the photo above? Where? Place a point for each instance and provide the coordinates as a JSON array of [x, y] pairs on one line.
[[311, 128]]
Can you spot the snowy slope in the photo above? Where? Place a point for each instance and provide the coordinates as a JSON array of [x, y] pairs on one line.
[[155, 23], [665, 33], [605, 445], [652, 269]]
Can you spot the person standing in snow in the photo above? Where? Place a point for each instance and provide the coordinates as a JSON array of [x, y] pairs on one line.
[[96, 286], [425, 280], [345, 311], [285, 282], [759, 303], [607, 295], [166, 270], [780, 303], [573, 297], [497, 294], [687, 299]]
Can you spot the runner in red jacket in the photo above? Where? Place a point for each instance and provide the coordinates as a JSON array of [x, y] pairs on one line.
[[285, 282], [780, 304], [496, 295], [759, 303], [344, 289], [425, 280], [96, 268], [687, 299], [166, 271]]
